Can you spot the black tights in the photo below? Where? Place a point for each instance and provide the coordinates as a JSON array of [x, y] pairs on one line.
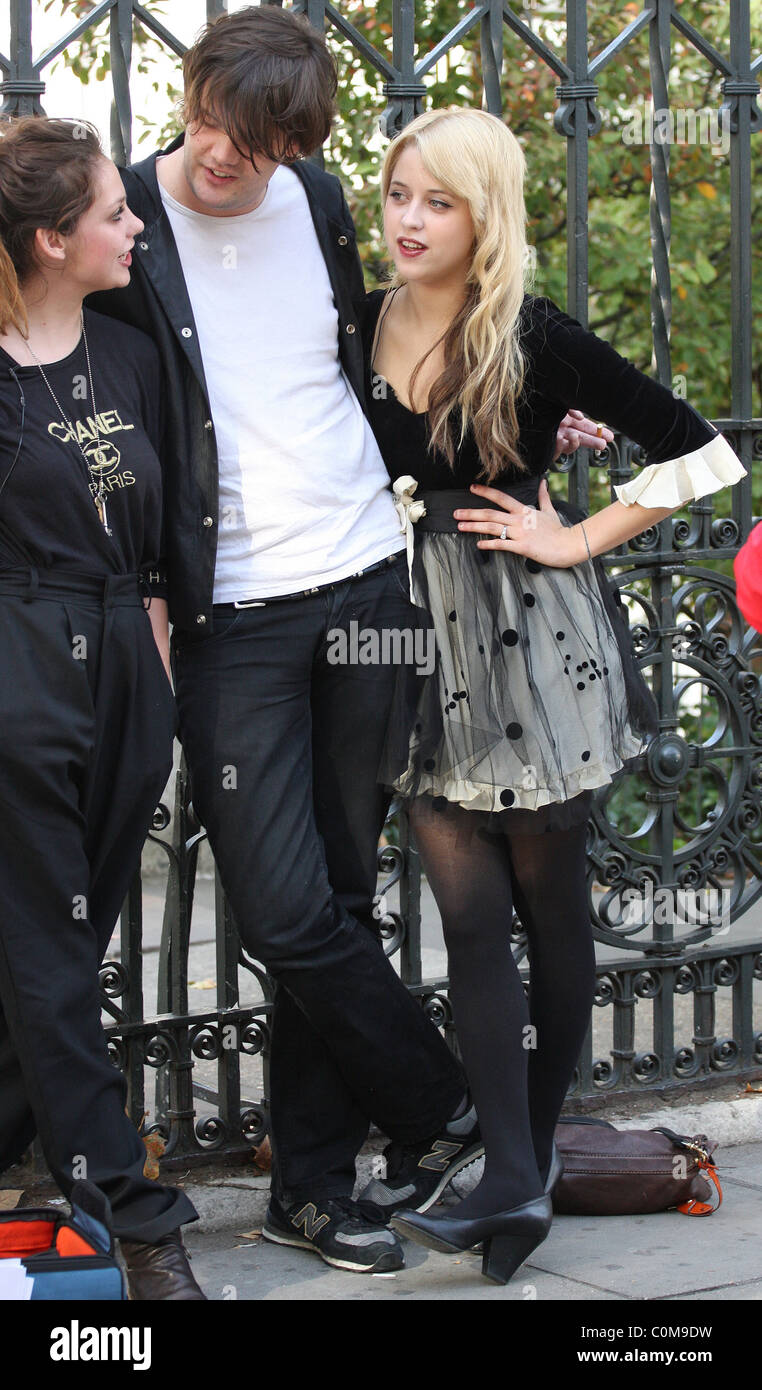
[[519, 1055]]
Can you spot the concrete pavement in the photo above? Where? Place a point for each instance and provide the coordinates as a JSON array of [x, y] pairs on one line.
[[665, 1256]]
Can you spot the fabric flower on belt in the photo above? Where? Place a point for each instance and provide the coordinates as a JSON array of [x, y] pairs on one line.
[[409, 509]]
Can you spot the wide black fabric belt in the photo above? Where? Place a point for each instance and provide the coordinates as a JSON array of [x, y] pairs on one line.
[[227, 609], [441, 505], [30, 583]]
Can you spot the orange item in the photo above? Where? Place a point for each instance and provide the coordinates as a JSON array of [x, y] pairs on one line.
[[695, 1208]]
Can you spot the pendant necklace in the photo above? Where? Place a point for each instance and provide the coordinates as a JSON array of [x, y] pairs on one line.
[[99, 496]]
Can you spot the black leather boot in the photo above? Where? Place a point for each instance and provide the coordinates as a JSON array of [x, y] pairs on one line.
[[507, 1238], [555, 1172], [160, 1271]]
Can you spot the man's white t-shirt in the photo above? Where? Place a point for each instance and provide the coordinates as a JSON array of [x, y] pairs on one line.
[[303, 491]]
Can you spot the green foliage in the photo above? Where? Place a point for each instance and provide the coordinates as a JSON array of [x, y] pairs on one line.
[[620, 187], [619, 170]]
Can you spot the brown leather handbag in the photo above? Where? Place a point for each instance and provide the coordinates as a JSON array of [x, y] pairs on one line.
[[622, 1172]]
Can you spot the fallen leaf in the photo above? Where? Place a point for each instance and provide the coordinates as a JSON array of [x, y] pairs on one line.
[[155, 1145], [750, 1090], [202, 984], [263, 1155], [248, 1235], [9, 1199]]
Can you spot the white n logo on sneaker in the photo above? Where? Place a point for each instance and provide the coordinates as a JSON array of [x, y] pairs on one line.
[[309, 1220], [440, 1156]]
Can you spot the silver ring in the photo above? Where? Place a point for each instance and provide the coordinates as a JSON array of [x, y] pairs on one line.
[[504, 534]]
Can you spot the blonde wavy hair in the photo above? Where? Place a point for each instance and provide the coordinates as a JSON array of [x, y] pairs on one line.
[[477, 158]]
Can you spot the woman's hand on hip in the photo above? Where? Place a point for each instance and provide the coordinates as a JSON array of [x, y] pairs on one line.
[[536, 532]]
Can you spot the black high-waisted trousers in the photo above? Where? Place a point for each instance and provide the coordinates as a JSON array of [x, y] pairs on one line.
[[86, 724]]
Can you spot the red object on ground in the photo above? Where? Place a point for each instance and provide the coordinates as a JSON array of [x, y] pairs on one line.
[[748, 572]]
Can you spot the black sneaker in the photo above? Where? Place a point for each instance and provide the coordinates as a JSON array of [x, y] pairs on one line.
[[417, 1175], [339, 1230]]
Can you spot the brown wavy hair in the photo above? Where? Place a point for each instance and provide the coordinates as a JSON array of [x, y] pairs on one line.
[[265, 77], [47, 179]]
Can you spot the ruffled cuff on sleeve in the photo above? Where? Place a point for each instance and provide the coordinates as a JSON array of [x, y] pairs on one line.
[[681, 480]]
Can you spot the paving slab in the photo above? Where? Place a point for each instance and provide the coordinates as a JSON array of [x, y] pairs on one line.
[[664, 1256], [741, 1166], [661, 1256], [737, 1293], [229, 1268]]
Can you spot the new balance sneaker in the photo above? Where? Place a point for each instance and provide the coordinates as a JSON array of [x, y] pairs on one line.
[[417, 1175], [339, 1230]]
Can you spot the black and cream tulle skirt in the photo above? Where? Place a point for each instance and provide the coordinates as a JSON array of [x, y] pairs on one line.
[[535, 700]]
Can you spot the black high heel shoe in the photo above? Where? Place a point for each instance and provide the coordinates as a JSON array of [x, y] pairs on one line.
[[507, 1238], [555, 1170]]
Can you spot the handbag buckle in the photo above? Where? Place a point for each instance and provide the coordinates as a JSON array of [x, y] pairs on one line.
[[703, 1154]]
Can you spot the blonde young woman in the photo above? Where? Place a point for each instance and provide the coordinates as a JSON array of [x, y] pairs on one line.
[[536, 700]]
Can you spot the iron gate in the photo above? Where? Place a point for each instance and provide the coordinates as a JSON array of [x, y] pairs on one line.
[[691, 827]]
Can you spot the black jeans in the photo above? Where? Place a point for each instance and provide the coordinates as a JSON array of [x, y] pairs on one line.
[[283, 749], [86, 724]]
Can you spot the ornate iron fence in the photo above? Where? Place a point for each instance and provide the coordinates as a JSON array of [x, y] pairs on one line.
[[692, 826]]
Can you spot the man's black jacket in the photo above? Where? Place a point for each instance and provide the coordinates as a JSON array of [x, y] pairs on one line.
[[156, 300]]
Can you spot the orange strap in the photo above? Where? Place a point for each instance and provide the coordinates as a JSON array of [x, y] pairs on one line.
[[695, 1208]]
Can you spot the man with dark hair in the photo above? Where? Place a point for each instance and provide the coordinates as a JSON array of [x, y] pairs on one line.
[[280, 529]]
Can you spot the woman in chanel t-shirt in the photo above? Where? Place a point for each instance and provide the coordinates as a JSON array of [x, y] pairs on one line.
[[86, 706], [536, 699]]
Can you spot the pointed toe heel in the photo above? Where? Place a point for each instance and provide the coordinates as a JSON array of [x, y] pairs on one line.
[[507, 1238]]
